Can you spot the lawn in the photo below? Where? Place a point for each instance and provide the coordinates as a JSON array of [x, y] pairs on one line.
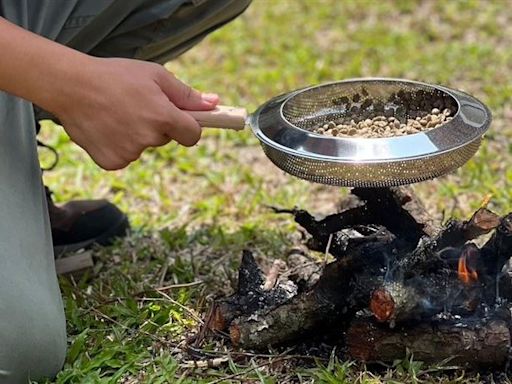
[[194, 210]]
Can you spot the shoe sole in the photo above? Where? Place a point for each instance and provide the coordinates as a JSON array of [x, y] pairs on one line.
[[105, 239]]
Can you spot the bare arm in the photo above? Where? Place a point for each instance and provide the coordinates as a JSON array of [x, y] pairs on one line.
[[31, 66], [113, 108]]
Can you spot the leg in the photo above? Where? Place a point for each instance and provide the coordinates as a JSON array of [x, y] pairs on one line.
[[32, 324], [157, 30]]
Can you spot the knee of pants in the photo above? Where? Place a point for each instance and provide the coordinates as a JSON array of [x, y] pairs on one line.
[[33, 344], [167, 47]]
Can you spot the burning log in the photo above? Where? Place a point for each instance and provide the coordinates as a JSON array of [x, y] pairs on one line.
[[423, 296], [413, 275], [321, 306], [252, 295], [469, 342], [342, 290], [499, 247], [303, 271], [394, 302], [456, 233], [396, 209], [399, 210], [425, 258]]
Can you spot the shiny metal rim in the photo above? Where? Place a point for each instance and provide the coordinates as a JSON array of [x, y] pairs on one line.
[[272, 128]]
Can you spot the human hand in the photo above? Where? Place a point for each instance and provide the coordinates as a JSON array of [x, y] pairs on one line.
[[120, 107], [113, 108]]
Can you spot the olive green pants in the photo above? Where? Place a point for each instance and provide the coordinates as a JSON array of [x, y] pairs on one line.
[[32, 322]]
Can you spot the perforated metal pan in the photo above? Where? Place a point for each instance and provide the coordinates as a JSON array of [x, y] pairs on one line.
[[284, 126]]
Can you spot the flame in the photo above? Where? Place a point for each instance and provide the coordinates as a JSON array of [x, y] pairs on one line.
[[466, 274]]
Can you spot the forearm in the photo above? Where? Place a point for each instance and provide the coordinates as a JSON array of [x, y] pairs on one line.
[[35, 68], [113, 108]]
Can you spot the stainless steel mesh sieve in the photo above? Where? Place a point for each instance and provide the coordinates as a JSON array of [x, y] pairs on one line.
[[284, 126]]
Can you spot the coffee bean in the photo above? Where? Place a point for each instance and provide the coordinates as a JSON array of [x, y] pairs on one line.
[[388, 112], [401, 113], [366, 104]]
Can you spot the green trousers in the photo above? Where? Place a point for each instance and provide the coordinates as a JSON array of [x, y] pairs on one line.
[[32, 321]]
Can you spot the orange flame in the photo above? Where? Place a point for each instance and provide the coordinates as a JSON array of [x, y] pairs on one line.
[[466, 274]]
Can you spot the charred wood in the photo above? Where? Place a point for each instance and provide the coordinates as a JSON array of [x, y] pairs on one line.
[[395, 209], [456, 233], [423, 297], [426, 257], [498, 249], [394, 261], [340, 292], [303, 271], [250, 296], [398, 209], [468, 342]]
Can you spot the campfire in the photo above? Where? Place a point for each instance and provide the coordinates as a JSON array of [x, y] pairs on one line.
[[399, 282], [466, 273]]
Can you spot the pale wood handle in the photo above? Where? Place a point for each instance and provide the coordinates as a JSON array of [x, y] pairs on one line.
[[221, 117]]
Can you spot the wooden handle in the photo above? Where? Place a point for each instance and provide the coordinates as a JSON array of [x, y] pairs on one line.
[[221, 117]]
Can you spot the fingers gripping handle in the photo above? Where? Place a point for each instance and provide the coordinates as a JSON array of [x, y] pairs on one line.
[[223, 116]]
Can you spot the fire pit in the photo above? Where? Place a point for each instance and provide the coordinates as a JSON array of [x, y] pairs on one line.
[[398, 282]]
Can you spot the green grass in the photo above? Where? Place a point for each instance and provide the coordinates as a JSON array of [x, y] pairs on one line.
[[194, 210]]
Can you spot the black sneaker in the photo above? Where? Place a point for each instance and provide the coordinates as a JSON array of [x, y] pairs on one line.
[[80, 224]]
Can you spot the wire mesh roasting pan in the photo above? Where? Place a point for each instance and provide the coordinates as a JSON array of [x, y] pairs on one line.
[[284, 126]]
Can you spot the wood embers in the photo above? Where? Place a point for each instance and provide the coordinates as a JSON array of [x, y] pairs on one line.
[[399, 281]]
